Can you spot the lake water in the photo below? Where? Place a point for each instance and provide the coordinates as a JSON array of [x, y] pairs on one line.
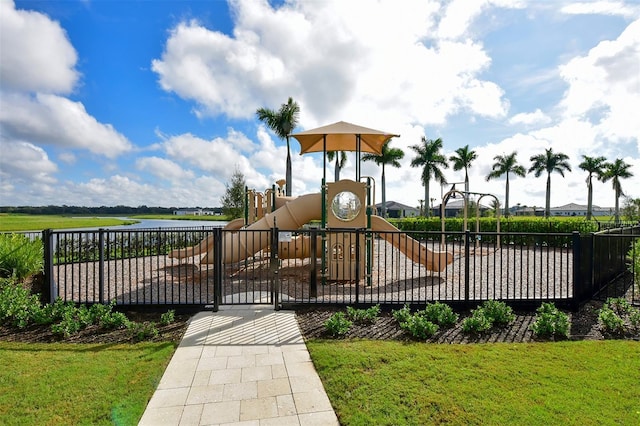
[[165, 223]]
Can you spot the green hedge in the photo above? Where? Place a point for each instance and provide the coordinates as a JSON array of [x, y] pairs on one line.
[[489, 224]]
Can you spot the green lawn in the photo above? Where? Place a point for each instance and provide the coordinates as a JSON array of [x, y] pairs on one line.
[[561, 383], [74, 384], [19, 222]]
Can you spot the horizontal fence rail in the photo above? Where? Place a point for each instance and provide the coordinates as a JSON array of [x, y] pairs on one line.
[[209, 267]]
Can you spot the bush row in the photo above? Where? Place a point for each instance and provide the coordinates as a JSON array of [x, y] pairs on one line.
[[19, 308], [616, 318]]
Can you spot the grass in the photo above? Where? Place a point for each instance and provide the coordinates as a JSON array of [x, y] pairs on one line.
[[19, 222], [569, 383], [62, 384]]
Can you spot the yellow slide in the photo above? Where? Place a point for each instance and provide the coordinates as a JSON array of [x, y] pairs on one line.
[[436, 261], [240, 245]]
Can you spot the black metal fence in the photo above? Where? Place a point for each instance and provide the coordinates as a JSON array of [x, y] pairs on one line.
[[360, 267]]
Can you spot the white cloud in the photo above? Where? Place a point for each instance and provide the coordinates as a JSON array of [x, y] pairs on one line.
[[604, 86], [615, 8], [51, 119], [530, 118], [26, 163], [36, 55], [164, 169], [330, 59]]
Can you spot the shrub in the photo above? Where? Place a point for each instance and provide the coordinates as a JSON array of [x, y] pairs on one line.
[[168, 317], [420, 327], [363, 316], [69, 325], [18, 307], [610, 322], [338, 324], [550, 322], [20, 257], [634, 318], [619, 305], [478, 322], [140, 331], [634, 265], [402, 315], [440, 313], [498, 312]]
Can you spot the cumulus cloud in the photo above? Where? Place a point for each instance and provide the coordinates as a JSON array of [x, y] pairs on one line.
[[603, 87], [530, 118], [25, 162], [332, 61], [615, 8], [51, 119], [164, 169], [32, 43]]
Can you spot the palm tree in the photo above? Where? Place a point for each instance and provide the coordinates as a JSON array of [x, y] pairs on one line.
[[549, 162], [505, 164], [614, 172], [462, 160], [391, 156], [341, 161], [595, 167], [282, 122], [431, 160]]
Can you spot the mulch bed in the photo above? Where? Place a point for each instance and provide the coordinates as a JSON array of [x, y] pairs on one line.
[[584, 326]]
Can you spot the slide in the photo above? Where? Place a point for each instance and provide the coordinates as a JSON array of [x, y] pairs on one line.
[[240, 245], [292, 215], [432, 260]]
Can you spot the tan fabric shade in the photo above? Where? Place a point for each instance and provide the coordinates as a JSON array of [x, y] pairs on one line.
[[342, 136]]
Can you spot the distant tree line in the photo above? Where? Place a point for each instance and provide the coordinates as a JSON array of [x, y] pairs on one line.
[[102, 210]]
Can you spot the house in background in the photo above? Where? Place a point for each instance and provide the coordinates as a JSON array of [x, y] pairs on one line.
[[454, 208], [573, 209], [196, 212], [397, 210]]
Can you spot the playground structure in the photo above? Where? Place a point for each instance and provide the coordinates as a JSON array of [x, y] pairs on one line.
[[465, 196], [343, 208], [347, 209]]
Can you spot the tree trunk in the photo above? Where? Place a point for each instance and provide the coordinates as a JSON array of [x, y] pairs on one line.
[[427, 210], [617, 211], [336, 170], [547, 206], [384, 195], [506, 199], [589, 199], [288, 173]]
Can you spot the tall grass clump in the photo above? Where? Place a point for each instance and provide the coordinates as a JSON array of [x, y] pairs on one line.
[[20, 257]]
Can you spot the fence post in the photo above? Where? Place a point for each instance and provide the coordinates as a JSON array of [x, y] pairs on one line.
[[101, 232], [217, 268], [348, 253], [467, 240], [274, 265], [49, 282], [313, 280]]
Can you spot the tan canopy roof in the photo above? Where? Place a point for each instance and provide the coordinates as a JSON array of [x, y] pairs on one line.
[[342, 136]]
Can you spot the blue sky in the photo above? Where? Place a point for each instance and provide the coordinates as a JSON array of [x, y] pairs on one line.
[[153, 102]]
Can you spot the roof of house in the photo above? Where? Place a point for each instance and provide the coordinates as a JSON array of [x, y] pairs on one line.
[[394, 205], [574, 206]]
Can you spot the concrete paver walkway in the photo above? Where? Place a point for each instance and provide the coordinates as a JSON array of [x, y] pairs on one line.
[[243, 365]]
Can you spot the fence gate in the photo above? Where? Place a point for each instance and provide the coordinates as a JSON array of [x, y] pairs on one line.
[[249, 267]]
